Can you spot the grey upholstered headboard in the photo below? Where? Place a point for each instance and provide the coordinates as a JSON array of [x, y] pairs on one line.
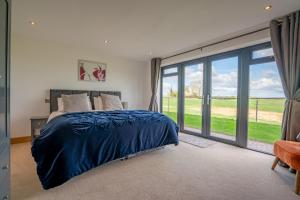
[[56, 93]]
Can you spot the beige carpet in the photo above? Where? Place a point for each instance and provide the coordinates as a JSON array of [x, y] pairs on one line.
[[182, 172]]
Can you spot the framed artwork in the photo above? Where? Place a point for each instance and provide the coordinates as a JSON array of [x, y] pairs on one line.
[[91, 71]]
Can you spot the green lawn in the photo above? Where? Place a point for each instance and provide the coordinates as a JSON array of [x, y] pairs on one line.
[[262, 132], [273, 105], [266, 129]]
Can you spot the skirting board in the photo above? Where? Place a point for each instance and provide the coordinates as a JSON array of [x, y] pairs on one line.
[[18, 140]]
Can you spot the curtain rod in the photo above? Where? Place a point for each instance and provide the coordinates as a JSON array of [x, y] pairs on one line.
[[204, 46]]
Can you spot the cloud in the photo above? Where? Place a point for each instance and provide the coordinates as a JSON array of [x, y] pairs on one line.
[[270, 74], [224, 84], [168, 84], [268, 85], [194, 74], [264, 83]]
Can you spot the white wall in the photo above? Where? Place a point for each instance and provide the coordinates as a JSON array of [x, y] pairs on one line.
[[37, 66], [245, 41]]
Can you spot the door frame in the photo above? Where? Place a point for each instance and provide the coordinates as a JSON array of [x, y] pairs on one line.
[[162, 75], [204, 94], [5, 140], [230, 54], [244, 61]]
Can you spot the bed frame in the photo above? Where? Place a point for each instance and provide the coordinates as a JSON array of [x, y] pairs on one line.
[[56, 93]]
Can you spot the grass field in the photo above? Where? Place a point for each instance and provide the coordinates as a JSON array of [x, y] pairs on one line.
[[265, 129], [273, 105]]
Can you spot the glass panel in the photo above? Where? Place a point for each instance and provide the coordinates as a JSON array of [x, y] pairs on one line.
[[193, 96], [3, 54], [224, 98], [262, 53], [170, 97], [170, 70], [266, 104]]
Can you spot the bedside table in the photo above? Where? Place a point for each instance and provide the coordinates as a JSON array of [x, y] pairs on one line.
[[37, 122]]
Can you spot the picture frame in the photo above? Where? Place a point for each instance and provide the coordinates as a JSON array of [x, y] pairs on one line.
[[91, 71]]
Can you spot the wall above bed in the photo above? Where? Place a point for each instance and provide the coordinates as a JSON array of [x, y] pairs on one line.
[[38, 65]]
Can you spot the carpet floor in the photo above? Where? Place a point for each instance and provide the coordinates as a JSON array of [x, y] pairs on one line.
[[185, 171], [196, 141]]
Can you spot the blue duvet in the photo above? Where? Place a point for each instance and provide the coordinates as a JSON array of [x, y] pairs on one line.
[[73, 143]]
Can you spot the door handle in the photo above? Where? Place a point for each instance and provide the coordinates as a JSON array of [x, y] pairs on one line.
[[208, 99], [5, 167]]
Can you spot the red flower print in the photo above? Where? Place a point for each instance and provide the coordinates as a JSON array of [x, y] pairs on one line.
[[81, 73]]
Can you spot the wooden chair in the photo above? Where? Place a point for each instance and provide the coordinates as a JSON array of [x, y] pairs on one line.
[[289, 153]]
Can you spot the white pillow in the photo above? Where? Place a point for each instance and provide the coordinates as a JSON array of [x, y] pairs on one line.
[[98, 103], [111, 102], [60, 105], [76, 103]]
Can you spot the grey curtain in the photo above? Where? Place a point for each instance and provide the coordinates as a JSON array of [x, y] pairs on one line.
[[285, 38], [155, 73]]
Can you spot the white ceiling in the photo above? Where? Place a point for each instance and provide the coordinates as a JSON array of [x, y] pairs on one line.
[[138, 27]]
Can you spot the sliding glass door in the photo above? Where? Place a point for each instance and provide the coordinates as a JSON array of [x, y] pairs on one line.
[[234, 97], [223, 97], [193, 97]]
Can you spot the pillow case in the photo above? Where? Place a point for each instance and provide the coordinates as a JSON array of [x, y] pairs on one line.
[[76, 103], [111, 102], [60, 105], [98, 103]]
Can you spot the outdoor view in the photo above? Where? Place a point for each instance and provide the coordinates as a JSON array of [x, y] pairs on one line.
[[224, 97], [266, 103], [170, 92], [193, 88], [266, 99]]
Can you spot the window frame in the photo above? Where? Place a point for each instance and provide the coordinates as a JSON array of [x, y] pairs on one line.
[[263, 59], [182, 102], [169, 74], [161, 87], [245, 59], [221, 56]]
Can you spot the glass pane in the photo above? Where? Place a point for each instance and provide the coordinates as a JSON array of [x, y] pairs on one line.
[[262, 53], [3, 86], [266, 104], [193, 96], [170, 97], [224, 98], [170, 70]]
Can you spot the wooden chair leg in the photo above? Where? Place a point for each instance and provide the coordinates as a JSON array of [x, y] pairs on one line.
[[275, 163], [297, 182]]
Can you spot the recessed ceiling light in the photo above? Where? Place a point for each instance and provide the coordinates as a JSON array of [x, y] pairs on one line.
[[106, 41], [268, 7], [32, 23]]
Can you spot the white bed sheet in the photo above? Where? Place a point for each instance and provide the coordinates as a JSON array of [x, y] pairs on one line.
[[55, 114]]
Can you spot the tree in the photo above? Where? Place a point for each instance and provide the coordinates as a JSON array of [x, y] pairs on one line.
[[173, 93]]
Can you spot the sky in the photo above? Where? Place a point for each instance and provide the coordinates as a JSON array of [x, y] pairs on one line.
[[264, 79]]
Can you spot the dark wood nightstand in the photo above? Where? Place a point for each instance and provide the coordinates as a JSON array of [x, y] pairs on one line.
[[37, 122]]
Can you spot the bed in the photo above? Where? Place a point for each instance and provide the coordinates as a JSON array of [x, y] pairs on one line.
[[73, 143]]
